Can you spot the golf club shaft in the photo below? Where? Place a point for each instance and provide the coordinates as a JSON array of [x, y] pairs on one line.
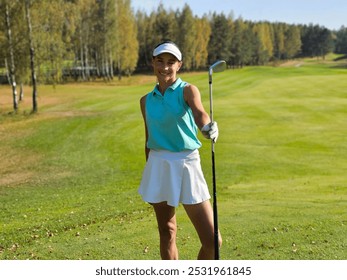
[[215, 211]]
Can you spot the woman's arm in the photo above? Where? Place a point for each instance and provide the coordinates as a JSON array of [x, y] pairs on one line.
[[193, 99], [143, 111], [202, 119]]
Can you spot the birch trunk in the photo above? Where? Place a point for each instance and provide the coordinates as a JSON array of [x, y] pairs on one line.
[[32, 55], [12, 66], [21, 92], [81, 73]]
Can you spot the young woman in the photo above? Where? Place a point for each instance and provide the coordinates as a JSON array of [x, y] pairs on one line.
[[172, 114]]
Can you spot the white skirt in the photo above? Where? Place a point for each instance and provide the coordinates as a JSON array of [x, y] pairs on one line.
[[174, 178]]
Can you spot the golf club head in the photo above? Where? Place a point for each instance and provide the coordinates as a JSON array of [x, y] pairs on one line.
[[218, 66]]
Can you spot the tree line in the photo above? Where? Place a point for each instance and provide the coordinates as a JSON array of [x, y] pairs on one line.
[[240, 42], [49, 41]]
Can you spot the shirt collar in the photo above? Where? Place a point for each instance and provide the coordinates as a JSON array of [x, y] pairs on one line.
[[172, 87]]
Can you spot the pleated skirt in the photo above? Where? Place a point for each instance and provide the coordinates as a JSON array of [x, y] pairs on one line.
[[173, 178]]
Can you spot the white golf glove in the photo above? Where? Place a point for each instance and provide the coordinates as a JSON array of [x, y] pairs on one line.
[[210, 131]]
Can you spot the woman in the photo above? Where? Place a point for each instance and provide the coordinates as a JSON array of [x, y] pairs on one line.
[[172, 112]]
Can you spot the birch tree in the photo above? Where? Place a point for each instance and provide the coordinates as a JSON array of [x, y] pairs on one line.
[[48, 21], [81, 15], [264, 51], [279, 43], [127, 47], [12, 67], [32, 56], [104, 27], [203, 33], [292, 44], [187, 37]]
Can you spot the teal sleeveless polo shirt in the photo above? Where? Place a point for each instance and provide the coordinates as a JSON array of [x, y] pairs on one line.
[[169, 119]]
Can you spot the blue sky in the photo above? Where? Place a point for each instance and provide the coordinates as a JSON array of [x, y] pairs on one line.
[[329, 13]]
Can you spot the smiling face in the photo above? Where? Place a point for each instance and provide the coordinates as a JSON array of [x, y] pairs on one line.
[[165, 67]]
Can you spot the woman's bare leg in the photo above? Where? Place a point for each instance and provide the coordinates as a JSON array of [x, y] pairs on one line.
[[167, 226], [201, 216]]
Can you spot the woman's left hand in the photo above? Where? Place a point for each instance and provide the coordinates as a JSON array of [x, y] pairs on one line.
[[210, 131]]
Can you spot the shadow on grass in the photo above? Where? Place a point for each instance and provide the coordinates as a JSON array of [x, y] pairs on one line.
[[342, 64]]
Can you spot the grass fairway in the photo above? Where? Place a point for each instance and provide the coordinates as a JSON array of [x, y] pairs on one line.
[[69, 174]]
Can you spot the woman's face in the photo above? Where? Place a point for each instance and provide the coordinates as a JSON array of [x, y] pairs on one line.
[[165, 67]]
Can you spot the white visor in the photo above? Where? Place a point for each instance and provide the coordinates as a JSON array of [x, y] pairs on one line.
[[168, 48]]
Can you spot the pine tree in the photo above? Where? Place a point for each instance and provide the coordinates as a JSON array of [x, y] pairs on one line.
[[243, 43], [220, 39], [341, 41]]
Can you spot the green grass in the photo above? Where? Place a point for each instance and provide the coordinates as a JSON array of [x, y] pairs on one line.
[[69, 175]]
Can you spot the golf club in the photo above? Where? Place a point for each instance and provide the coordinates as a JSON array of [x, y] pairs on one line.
[[218, 66]]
